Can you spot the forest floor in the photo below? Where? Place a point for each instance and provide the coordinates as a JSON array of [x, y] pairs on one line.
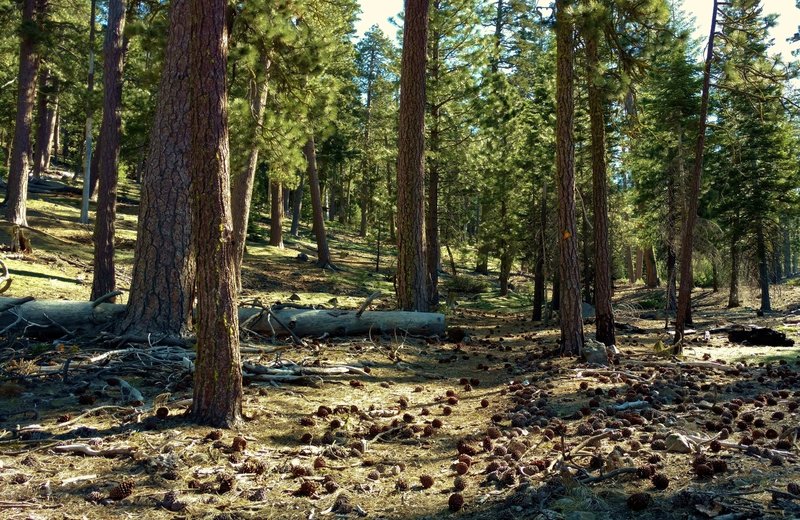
[[535, 436]]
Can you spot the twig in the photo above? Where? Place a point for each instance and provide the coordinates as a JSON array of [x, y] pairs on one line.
[[105, 298], [90, 412], [85, 449], [366, 303], [606, 476]]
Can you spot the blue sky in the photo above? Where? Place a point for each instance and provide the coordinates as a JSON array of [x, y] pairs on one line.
[[379, 11]]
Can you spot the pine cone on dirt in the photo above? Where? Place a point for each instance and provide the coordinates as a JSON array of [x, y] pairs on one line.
[[122, 490]]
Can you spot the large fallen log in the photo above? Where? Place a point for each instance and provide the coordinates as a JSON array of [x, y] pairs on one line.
[[55, 318]]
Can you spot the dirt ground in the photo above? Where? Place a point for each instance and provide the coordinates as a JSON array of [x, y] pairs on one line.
[[488, 422]]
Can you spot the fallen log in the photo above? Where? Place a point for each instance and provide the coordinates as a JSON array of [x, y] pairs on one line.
[[50, 318]]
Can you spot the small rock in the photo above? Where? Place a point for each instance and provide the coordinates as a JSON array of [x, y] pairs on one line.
[[294, 297], [302, 257], [595, 352], [678, 443]]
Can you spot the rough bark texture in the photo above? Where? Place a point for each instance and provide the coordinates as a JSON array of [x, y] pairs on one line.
[[693, 197], [411, 271], [276, 215], [46, 126], [17, 194], [104, 280], [569, 268], [323, 253], [242, 183], [541, 256], [604, 314], [162, 288], [217, 378]]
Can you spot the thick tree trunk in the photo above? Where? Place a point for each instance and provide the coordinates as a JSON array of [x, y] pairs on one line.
[[763, 269], [104, 280], [162, 288], [733, 294], [323, 253], [276, 215], [570, 272], [687, 243], [242, 183], [604, 314], [392, 224], [17, 194], [86, 317], [46, 115], [218, 377], [541, 256], [651, 270], [411, 272]]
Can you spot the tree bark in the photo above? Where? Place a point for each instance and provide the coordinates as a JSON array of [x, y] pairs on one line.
[[162, 288], [33, 11], [651, 270], [323, 253], [687, 243], [276, 215], [639, 269], [217, 378], [569, 268], [411, 271], [242, 183], [104, 280], [46, 115], [629, 265], [604, 314]]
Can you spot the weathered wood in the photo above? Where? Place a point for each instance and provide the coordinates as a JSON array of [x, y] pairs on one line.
[[44, 318]]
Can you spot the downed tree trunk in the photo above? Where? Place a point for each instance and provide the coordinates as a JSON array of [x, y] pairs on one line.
[[55, 318]]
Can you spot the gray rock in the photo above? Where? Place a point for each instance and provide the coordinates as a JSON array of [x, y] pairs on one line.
[[595, 352]]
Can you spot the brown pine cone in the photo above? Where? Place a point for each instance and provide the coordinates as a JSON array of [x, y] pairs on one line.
[[122, 490]]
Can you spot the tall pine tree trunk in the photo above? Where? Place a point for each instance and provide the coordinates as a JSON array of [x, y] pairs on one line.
[[569, 268], [733, 294], [432, 246], [162, 287], [650, 268], [629, 265], [604, 314], [411, 271], [276, 215], [17, 190], [217, 397], [46, 115], [242, 183], [687, 242], [323, 253], [297, 207], [104, 280]]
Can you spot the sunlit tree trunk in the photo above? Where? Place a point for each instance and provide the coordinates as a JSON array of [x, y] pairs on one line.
[[104, 280], [162, 287], [323, 253], [570, 278], [217, 397], [411, 271]]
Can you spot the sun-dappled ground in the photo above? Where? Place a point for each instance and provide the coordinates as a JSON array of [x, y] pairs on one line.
[[488, 415]]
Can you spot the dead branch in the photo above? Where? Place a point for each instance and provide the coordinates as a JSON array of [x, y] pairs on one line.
[[85, 449]]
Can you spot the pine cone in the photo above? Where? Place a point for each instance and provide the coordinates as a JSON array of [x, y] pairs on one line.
[[123, 490], [226, 482], [94, 497]]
